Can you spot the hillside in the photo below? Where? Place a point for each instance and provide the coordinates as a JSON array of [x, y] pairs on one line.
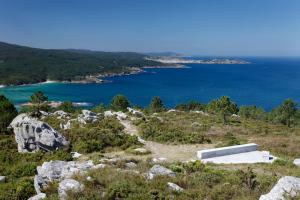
[[25, 65]]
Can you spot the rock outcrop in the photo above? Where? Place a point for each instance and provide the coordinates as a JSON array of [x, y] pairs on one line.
[[160, 170], [88, 116], [33, 135], [58, 170], [68, 185], [287, 186]]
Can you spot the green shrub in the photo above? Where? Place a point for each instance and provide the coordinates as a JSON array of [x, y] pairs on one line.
[[8, 113], [119, 103]]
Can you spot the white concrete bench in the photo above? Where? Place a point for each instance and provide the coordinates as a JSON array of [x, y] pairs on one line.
[[223, 151]]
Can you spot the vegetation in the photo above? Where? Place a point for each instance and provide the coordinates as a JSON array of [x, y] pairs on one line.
[[119, 103], [67, 106], [24, 65], [156, 105], [277, 131], [8, 112], [39, 102]]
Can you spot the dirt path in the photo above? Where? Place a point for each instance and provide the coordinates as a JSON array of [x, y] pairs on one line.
[[170, 152]]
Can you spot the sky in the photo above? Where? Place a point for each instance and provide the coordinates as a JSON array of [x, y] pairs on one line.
[[192, 27]]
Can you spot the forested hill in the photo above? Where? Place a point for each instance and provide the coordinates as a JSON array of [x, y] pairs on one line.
[[24, 65]]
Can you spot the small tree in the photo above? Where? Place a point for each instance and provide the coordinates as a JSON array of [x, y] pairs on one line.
[[67, 106], [226, 108], [119, 103], [156, 105], [287, 111], [8, 113], [100, 108], [38, 101]]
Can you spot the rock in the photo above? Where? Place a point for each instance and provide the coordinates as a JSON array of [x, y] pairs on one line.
[[2, 179], [174, 187], [235, 115], [297, 162], [65, 126], [120, 115], [160, 159], [196, 125], [136, 113], [99, 166], [89, 178], [38, 196], [75, 154], [68, 185], [130, 165], [88, 116], [286, 186], [61, 114], [171, 110], [160, 170], [199, 112], [108, 113], [141, 150], [58, 170], [33, 135]]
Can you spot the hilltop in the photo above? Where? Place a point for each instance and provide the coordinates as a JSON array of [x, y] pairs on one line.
[[26, 65]]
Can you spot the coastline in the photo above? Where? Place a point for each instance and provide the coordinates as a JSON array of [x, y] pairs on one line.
[[100, 78]]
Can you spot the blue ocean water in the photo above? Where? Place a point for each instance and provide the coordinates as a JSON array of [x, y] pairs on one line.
[[265, 82]]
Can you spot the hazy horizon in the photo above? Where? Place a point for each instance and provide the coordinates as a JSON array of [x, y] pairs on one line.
[[231, 28]]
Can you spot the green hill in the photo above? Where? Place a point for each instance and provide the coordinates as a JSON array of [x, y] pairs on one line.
[[25, 65]]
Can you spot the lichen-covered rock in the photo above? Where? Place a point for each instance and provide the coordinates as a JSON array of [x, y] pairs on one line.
[[58, 170], [38, 196], [174, 187], [33, 135], [68, 185], [160, 170], [287, 186], [88, 116]]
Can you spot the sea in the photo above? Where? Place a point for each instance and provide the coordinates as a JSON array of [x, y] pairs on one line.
[[265, 82]]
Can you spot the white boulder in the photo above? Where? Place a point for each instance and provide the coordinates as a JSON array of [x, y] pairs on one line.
[[297, 162], [33, 135], [65, 126], [2, 179], [61, 114], [157, 170], [174, 187], [287, 186], [88, 116], [58, 170], [38, 196], [136, 113], [68, 185]]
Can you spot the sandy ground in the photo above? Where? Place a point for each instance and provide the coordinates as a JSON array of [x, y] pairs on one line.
[[172, 153]]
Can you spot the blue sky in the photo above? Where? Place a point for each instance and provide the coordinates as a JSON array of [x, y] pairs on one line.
[[198, 27]]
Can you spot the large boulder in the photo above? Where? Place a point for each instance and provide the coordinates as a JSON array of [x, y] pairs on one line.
[[88, 116], [68, 185], [158, 170], [287, 186], [33, 135], [58, 170]]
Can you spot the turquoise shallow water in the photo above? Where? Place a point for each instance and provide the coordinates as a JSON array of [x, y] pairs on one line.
[[265, 82]]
